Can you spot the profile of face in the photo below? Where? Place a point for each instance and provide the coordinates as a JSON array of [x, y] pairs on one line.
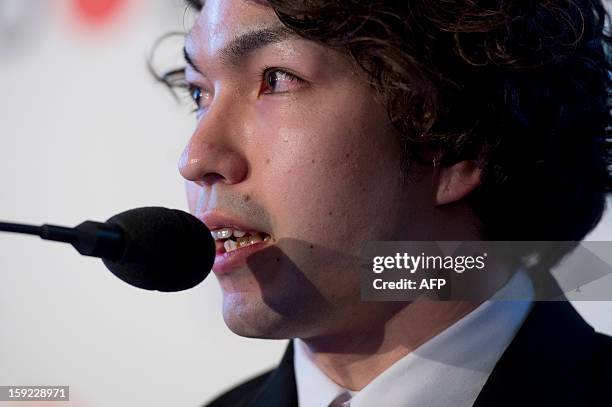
[[291, 142]]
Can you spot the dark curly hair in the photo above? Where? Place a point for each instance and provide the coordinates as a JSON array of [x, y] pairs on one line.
[[522, 87]]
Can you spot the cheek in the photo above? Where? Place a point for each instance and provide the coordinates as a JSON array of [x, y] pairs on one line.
[[330, 173]]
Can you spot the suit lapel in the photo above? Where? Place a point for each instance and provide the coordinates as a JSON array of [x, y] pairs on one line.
[[547, 364], [279, 390]]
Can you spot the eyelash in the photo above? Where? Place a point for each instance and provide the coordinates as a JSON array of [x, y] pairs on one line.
[[261, 76], [192, 90]]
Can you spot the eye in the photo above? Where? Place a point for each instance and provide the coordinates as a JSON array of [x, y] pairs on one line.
[[276, 80], [199, 96]]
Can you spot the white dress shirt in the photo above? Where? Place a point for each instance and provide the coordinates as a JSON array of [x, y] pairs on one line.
[[450, 369]]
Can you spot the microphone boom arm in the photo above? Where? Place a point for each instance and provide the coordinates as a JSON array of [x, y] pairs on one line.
[[90, 238]]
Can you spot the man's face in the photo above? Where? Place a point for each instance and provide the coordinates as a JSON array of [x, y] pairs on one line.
[[291, 142]]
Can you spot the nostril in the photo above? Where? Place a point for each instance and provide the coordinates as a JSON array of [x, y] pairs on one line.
[[210, 179]]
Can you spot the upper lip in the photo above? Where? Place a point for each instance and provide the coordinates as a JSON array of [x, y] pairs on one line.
[[218, 220]]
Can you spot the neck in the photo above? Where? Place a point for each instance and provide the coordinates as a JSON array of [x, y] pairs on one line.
[[354, 359]]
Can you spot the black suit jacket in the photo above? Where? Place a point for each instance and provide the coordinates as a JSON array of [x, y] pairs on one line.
[[555, 359]]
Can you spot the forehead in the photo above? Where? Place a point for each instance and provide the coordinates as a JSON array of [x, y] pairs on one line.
[[221, 20]]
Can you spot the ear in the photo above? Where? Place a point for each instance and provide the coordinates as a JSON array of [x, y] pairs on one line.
[[457, 181]]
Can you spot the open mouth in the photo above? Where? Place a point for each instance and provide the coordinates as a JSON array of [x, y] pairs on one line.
[[233, 239]]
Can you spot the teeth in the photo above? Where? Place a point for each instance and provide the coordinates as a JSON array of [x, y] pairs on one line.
[[230, 245], [248, 240], [234, 239], [239, 233], [221, 233]]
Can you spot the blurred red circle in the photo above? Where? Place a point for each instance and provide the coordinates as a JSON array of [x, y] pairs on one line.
[[97, 11]]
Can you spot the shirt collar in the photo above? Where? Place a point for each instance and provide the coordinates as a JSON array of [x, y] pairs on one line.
[[449, 369], [314, 388]]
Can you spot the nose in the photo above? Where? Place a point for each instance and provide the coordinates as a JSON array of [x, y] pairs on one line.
[[213, 153]]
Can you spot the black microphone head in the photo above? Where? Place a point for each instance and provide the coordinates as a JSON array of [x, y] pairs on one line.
[[165, 249]]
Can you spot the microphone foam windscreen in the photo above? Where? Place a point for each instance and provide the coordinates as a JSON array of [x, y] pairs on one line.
[[165, 249]]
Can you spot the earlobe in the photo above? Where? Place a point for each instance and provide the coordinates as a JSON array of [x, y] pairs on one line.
[[457, 181]]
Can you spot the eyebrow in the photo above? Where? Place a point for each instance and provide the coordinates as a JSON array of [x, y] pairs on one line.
[[247, 43]]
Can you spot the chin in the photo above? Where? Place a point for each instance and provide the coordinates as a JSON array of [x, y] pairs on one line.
[[251, 317]]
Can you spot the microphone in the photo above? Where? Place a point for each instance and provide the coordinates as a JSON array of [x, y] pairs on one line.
[[153, 248]]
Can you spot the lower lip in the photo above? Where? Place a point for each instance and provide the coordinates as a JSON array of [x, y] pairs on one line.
[[227, 262]]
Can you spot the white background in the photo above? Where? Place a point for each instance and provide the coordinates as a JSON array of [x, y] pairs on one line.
[[86, 133]]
